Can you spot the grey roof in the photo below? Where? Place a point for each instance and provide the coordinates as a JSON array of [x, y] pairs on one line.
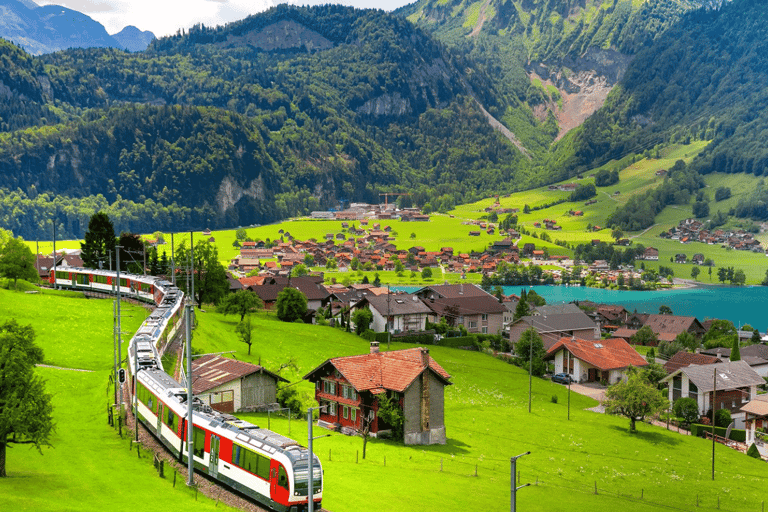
[[452, 291], [730, 375], [757, 350], [562, 322], [404, 304], [556, 309]]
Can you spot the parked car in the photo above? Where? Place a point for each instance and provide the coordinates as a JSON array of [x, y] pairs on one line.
[[562, 378]]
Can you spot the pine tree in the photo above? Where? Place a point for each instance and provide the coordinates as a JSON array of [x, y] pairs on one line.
[[735, 352]]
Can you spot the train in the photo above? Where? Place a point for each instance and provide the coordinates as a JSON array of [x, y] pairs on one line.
[[262, 465]]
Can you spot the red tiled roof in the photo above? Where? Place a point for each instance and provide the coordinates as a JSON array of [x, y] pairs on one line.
[[394, 370], [610, 354]]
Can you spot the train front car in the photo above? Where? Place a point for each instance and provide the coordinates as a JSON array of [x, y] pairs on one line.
[[300, 482]]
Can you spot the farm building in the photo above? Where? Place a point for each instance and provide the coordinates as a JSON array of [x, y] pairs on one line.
[[228, 385], [349, 387]]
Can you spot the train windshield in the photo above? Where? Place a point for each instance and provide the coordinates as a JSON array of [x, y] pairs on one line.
[[300, 477]]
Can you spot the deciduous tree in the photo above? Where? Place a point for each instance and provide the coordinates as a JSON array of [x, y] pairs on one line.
[[636, 398], [245, 332], [362, 318], [17, 261], [240, 303], [291, 305], [530, 346], [211, 284], [25, 407]]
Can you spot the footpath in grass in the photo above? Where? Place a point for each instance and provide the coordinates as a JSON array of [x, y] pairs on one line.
[[487, 421]]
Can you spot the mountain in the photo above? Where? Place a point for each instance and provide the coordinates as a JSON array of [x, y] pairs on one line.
[[50, 28], [133, 39], [298, 109], [280, 114]]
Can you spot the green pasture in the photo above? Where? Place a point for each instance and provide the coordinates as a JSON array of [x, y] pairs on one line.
[[487, 421], [89, 467]]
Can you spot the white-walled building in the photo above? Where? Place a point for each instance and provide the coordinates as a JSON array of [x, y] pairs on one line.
[[594, 360]]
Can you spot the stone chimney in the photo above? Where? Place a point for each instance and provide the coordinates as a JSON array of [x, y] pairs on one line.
[[374, 347], [425, 357]]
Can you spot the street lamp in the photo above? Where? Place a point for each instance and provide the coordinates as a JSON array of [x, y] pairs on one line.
[[513, 463]]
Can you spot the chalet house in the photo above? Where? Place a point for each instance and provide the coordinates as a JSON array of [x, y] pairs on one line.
[[681, 258], [594, 360], [756, 356], [733, 382], [553, 327], [348, 388], [395, 313], [310, 286], [451, 291], [684, 358], [228, 385], [651, 254], [667, 327], [479, 314]]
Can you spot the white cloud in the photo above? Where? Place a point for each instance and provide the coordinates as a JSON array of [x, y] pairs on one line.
[[165, 17]]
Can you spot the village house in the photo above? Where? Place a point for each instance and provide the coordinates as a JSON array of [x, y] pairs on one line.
[[594, 360], [668, 327], [395, 313], [733, 382], [228, 385], [482, 314], [349, 387], [553, 327]]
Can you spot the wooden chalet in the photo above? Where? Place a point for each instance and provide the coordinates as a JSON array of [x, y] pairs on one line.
[[349, 387]]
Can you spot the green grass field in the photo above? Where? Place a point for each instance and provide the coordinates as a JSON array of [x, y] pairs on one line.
[[487, 421], [89, 467]]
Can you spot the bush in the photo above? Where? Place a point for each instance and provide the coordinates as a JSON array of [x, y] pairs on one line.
[[686, 408], [458, 341], [553, 399], [368, 335], [754, 452]]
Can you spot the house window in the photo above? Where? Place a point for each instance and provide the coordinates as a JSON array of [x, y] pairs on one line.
[[745, 397], [346, 412], [472, 325], [485, 330], [329, 387], [484, 317], [353, 415], [349, 392]]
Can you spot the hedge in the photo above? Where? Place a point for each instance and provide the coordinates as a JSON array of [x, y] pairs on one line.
[[458, 341], [697, 429]]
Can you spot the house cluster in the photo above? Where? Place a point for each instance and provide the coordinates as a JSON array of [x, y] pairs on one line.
[[367, 246], [692, 230], [362, 211], [548, 224], [566, 187]]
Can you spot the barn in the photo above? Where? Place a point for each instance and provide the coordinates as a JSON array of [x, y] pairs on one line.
[[228, 385]]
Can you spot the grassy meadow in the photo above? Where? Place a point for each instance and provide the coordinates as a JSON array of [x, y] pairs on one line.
[[486, 414], [487, 421], [89, 467]]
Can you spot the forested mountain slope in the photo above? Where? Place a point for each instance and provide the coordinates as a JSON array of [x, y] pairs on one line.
[[279, 114]]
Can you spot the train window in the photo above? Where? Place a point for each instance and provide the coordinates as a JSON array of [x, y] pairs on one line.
[[251, 461], [172, 420], [282, 478], [199, 442]]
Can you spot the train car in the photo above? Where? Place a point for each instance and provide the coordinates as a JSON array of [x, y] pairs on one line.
[[265, 466]]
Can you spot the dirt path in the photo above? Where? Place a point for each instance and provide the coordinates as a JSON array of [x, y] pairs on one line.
[[62, 368], [480, 19]]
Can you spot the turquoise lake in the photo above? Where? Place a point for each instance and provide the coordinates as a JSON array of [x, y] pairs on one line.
[[740, 305]]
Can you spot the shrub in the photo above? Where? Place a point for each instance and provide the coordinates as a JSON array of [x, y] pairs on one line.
[[754, 452], [553, 399], [686, 408], [697, 429], [368, 335]]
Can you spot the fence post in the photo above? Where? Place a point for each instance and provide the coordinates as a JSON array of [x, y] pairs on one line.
[[329, 454], [475, 469], [441, 464], [595, 486], [357, 456], [385, 461], [174, 478]]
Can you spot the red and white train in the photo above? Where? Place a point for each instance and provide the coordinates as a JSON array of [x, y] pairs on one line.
[[263, 465]]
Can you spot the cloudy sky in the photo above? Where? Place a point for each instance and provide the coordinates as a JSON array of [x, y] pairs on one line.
[[164, 17]]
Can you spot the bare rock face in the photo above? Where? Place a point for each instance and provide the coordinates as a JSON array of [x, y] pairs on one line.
[[283, 35], [230, 192], [583, 83], [386, 105]]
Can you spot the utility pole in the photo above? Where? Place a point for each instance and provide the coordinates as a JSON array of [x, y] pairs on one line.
[[190, 446], [389, 334], [192, 263], [119, 334], [173, 264], [514, 489], [569, 397], [310, 475], [530, 371], [714, 392], [54, 252]]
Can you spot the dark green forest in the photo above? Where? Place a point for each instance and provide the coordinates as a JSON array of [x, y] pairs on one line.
[[221, 127]]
